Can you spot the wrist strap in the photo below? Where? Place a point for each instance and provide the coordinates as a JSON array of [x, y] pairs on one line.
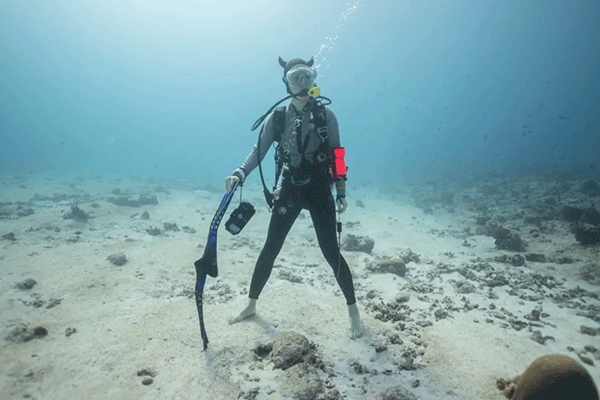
[[240, 173]]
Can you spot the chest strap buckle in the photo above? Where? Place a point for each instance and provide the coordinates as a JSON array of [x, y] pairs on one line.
[[323, 133]]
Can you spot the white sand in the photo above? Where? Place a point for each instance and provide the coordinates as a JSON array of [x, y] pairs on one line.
[[142, 315]]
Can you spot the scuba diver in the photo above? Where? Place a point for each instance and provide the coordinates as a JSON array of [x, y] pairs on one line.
[[308, 158]]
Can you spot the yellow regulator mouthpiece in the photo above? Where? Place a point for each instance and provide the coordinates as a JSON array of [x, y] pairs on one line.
[[314, 92]]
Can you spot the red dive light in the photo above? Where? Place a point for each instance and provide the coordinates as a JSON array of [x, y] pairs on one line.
[[338, 164]]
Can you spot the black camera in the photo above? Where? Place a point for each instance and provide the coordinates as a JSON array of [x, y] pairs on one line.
[[239, 218]]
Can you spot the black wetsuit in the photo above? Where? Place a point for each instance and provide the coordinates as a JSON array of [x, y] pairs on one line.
[[302, 144], [315, 197]]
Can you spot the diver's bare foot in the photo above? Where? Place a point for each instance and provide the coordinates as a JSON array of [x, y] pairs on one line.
[[248, 311], [356, 327]]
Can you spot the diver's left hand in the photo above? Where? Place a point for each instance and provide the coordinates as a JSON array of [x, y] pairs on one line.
[[341, 203]]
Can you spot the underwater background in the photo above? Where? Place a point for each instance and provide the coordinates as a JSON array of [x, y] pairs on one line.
[[472, 233], [422, 89]]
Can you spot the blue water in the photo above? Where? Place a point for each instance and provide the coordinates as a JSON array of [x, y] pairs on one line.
[[422, 89]]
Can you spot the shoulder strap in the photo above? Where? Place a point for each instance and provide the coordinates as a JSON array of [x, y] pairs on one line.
[[278, 123], [320, 120]]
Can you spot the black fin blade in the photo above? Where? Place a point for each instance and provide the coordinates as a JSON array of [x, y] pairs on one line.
[[200, 280]]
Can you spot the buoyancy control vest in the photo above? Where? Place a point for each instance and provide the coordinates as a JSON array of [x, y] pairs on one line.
[[308, 168]]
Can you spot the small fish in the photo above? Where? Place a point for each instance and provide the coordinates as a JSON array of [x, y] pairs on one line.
[[592, 168]]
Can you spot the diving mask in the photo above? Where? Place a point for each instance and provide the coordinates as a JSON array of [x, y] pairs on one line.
[[301, 76]]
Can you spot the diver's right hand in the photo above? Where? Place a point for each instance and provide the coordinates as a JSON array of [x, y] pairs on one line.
[[237, 176], [230, 182]]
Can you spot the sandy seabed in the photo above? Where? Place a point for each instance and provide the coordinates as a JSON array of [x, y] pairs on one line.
[[464, 314]]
